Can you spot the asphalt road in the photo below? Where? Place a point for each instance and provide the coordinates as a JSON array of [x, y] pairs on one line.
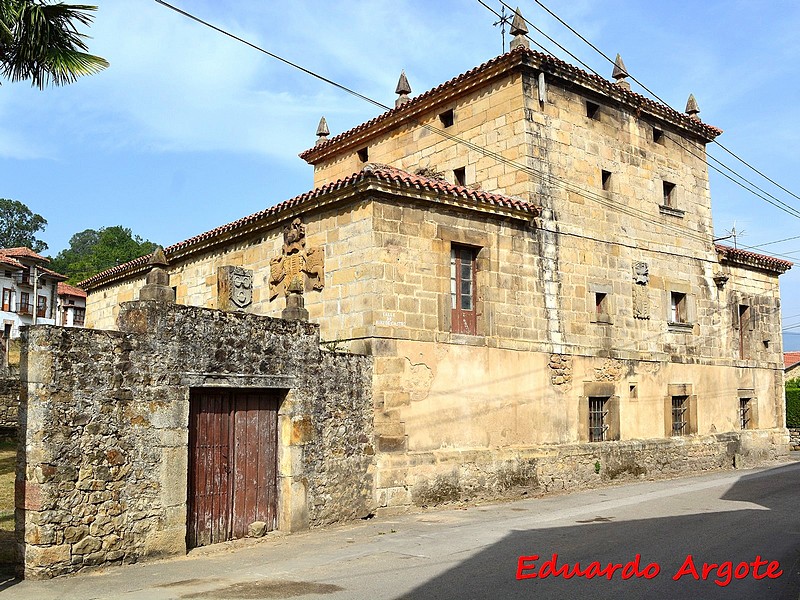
[[739, 517]]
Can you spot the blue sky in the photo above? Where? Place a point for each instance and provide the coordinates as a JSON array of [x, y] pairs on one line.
[[189, 129]]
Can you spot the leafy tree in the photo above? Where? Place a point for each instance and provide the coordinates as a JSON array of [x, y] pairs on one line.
[[19, 226], [91, 251], [39, 41]]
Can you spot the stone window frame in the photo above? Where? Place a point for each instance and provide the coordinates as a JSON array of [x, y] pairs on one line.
[[599, 389], [686, 326], [447, 118], [743, 343], [752, 405], [658, 135], [680, 390], [460, 176], [595, 316], [479, 241], [670, 200], [592, 110]]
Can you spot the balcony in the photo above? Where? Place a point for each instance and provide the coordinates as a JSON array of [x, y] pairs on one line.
[[25, 309]]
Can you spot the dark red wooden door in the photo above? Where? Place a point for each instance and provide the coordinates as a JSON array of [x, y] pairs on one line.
[[232, 463]]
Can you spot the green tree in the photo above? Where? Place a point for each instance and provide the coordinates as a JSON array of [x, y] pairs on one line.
[[19, 226], [92, 251], [39, 41]]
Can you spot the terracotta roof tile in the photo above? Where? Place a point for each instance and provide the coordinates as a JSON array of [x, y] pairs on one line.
[[515, 57], [790, 359], [376, 173], [23, 252], [65, 289], [769, 263]]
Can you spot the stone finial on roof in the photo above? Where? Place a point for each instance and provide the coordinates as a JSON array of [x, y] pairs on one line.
[[519, 30], [322, 131], [620, 73], [403, 89], [156, 285], [158, 258], [691, 107]]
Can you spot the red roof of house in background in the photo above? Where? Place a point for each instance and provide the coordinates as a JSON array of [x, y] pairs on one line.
[[65, 289], [790, 359], [23, 252]]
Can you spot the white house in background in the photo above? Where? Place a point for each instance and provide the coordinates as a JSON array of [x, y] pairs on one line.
[[71, 305], [29, 291]]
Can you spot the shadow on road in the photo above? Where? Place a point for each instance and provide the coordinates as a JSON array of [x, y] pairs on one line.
[[771, 529]]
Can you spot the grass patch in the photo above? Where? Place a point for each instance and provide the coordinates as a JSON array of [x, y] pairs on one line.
[[8, 458]]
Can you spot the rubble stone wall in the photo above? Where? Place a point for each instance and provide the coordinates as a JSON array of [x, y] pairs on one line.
[[9, 403], [104, 415]]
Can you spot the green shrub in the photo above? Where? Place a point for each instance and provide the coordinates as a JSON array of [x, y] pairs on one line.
[[792, 406]]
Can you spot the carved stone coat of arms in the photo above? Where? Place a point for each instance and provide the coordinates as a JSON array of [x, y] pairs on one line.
[[298, 268]]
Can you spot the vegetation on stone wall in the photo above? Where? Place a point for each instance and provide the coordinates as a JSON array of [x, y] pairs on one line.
[[793, 403]]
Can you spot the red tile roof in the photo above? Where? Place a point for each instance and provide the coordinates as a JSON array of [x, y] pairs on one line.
[[790, 359], [22, 252], [500, 64], [398, 181], [65, 289], [752, 259]]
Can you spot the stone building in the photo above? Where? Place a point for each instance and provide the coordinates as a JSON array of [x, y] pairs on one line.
[[526, 252]]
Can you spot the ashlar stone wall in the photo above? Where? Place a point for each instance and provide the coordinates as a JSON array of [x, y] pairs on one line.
[[102, 472]]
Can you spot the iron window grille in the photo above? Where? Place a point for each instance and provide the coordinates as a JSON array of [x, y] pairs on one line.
[[679, 406], [744, 413], [598, 419]]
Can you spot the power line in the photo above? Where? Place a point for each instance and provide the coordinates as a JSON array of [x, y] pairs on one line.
[[609, 59], [781, 205]]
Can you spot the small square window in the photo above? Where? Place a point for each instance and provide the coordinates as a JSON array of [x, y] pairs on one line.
[[658, 135], [606, 178], [669, 194], [678, 308], [460, 176], [363, 155], [634, 391], [446, 118], [592, 110]]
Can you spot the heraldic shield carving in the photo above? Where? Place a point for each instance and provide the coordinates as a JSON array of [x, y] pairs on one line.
[[297, 268], [234, 288]]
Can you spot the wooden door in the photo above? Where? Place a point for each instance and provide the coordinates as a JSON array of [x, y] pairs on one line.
[[232, 463]]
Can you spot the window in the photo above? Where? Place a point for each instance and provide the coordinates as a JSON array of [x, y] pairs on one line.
[[446, 118], [658, 135], [363, 155], [606, 177], [680, 407], [592, 110], [7, 295], [678, 307], [460, 176], [744, 322], [598, 419], [24, 307], [79, 317], [745, 413], [41, 306], [669, 194], [462, 289]]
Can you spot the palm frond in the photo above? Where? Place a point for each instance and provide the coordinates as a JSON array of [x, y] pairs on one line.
[[45, 45]]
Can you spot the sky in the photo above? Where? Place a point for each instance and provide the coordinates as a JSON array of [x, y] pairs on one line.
[[189, 129]]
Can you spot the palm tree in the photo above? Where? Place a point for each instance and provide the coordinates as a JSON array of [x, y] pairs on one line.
[[39, 41]]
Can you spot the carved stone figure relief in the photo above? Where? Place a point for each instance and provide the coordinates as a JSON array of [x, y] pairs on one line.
[[641, 297], [297, 268]]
